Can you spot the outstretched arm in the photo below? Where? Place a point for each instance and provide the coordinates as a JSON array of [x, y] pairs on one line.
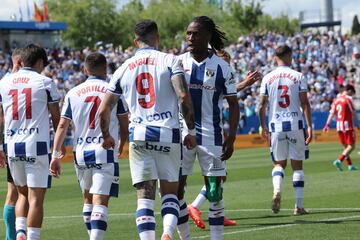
[[250, 79]]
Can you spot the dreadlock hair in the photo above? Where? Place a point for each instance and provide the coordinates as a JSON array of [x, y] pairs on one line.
[[217, 36]]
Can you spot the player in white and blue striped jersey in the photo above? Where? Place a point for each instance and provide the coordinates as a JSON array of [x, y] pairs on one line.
[[27, 99], [152, 84], [97, 168], [210, 80], [286, 92]]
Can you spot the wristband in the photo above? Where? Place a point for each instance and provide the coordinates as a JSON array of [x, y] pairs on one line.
[[192, 132], [1, 148], [56, 154]]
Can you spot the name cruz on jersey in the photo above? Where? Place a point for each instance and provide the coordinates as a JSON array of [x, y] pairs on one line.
[[81, 106], [284, 85], [24, 96], [145, 82], [208, 81]]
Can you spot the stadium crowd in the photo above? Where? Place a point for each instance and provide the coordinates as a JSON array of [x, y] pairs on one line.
[[327, 61]]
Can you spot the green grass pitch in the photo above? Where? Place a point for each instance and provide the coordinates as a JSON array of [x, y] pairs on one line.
[[332, 197]]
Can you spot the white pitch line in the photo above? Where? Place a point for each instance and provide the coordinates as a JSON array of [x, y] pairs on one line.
[[228, 210], [279, 226]]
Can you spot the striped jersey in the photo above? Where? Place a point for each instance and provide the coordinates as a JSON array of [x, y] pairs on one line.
[[283, 86], [145, 82], [209, 81], [81, 107], [343, 108], [25, 96]]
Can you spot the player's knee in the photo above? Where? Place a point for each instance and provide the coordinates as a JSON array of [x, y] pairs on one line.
[[146, 189], [214, 189]]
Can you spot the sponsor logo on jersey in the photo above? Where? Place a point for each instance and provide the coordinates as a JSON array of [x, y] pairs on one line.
[[286, 114], [89, 140], [202, 87], [153, 117], [89, 166], [22, 131], [157, 148], [23, 159]]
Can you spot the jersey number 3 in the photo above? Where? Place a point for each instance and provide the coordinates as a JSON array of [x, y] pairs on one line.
[[15, 105], [284, 95], [145, 87]]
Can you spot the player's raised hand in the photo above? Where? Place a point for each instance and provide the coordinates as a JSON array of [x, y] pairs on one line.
[[190, 141], [55, 167], [228, 148], [309, 135], [109, 142], [2, 159], [252, 77]]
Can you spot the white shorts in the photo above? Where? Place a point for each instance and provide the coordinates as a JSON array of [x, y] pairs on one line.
[[284, 145], [154, 160], [102, 179], [31, 171], [209, 160]]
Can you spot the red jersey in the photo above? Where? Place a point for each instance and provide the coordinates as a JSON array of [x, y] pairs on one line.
[[343, 107]]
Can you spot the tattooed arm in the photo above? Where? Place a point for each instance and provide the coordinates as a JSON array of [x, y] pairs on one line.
[[186, 108], [106, 106]]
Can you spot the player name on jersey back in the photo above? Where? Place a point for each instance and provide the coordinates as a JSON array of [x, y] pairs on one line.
[[282, 86], [25, 96], [145, 82], [81, 106]]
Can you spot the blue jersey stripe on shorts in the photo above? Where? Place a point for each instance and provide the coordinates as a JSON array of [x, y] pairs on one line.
[[176, 135], [20, 149], [89, 157], [110, 156], [41, 148], [286, 126], [131, 134], [152, 134]]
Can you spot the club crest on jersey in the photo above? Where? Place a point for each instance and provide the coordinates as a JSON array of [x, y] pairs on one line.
[[209, 73]]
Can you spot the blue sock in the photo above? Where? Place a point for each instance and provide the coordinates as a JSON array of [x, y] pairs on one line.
[[9, 219]]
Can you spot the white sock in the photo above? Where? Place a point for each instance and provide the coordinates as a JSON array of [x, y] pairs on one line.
[[170, 213], [33, 233], [145, 220], [87, 209], [200, 199], [216, 220], [183, 228], [20, 225], [277, 178], [298, 183], [99, 218]]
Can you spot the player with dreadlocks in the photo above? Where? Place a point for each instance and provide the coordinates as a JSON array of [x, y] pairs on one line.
[[210, 80]]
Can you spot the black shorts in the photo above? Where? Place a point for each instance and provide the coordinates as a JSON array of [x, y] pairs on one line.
[[9, 177]]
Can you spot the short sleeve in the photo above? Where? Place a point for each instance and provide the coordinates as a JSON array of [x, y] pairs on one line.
[[303, 84], [176, 66], [229, 83], [66, 111], [264, 91], [53, 95], [121, 106], [114, 84]]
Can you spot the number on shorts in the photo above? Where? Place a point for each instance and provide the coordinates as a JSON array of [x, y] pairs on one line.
[[15, 105], [145, 87], [286, 98], [96, 103]]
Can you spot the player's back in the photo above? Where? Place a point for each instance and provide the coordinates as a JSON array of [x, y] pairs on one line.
[[283, 86], [145, 82], [81, 106], [25, 96], [343, 108]]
